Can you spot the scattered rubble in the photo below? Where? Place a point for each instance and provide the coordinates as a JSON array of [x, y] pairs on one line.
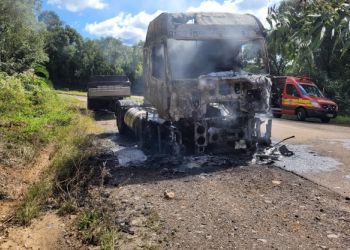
[[276, 182], [169, 195], [262, 240], [333, 236], [269, 155], [285, 151]]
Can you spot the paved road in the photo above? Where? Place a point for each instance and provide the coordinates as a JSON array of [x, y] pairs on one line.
[[326, 142]]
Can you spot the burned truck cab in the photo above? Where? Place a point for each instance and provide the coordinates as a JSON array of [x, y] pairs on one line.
[[205, 77]]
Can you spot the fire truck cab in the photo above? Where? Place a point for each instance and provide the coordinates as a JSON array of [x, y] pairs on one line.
[[300, 96]]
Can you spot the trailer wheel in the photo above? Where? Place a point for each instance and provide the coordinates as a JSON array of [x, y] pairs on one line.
[[301, 114], [122, 128]]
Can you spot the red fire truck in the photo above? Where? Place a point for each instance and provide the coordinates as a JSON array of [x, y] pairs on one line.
[[300, 96]]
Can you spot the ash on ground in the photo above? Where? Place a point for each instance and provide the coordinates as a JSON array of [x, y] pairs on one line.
[[305, 160]]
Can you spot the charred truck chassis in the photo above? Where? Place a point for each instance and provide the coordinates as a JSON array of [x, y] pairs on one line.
[[191, 109]]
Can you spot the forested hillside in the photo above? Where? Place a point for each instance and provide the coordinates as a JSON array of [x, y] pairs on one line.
[[30, 37]]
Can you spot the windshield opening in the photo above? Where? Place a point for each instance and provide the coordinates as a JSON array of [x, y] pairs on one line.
[[310, 90], [190, 59]]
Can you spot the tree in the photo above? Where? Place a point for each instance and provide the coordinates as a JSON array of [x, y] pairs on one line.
[[74, 59], [21, 39], [51, 20]]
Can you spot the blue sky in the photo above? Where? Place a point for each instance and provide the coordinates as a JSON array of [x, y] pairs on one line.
[[128, 19]]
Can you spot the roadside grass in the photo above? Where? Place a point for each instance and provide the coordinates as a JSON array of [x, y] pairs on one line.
[[71, 141], [342, 119], [71, 92], [95, 230], [32, 116], [136, 98]]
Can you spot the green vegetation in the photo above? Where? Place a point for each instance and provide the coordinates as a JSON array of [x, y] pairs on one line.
[[342, 119], [34, 198], [313, 38], [30, 37], [32, 116], [136, 98], [71, 141], [22, 38], [74, 59], [94, 230]]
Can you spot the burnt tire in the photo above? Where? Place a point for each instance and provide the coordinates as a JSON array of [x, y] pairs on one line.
[[122, 128], [301, 114], [325, 119]]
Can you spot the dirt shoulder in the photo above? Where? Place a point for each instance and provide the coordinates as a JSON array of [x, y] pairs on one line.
[[15, 180]]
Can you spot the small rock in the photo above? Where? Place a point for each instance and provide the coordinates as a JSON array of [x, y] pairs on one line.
[[274, 182], [208, 237], [135, 222], [333, 236], [169, 195], [262, 240]]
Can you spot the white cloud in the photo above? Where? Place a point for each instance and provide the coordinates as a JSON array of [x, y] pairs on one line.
[[77, 5], [129, 28], [132, 28]]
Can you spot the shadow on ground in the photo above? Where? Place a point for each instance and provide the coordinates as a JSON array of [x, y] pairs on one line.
[[103, 115]]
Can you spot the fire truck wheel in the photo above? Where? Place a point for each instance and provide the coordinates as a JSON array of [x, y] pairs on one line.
[[301, 114]]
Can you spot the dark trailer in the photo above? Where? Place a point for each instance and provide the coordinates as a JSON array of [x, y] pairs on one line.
[[105, 90]]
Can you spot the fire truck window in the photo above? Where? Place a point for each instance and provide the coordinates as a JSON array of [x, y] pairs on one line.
[[291, 90], [158, 63]]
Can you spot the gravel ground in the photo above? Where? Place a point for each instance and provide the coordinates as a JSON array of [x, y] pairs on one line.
[[240, 207], [218, 203]]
